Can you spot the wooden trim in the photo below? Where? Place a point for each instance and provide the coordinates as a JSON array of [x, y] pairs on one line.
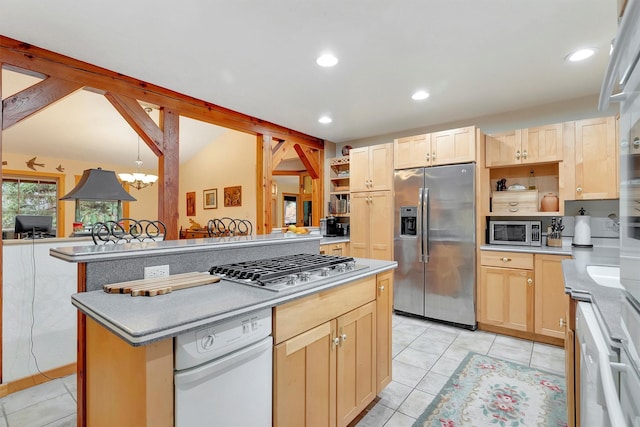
[[35, 98], [280, 151], [81, 360], [169, 171], [309, 158], [33, 380], [520, 334], [29, 57], [264, 179], [61, 206]]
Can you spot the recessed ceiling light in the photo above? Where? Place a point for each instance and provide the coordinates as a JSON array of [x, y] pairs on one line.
[[420, 95], [581, 54], [327, 60], [325, 119]]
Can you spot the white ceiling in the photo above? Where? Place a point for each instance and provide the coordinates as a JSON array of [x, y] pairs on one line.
[[476, 58]]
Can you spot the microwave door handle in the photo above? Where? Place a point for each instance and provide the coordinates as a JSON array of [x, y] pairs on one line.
[[425, 243], [420, 225]]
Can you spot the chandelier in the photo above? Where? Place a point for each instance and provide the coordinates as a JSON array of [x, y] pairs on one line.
[[137, 179]]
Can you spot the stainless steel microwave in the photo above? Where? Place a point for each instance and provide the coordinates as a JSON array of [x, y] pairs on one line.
[[523, 233]]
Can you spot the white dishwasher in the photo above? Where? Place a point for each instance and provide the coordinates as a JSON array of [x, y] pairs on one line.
[[223, 373]]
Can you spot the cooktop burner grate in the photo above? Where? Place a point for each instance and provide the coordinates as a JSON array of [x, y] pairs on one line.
[[272, 268]]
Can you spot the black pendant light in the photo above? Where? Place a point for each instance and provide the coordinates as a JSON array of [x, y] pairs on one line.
[[98, 184]]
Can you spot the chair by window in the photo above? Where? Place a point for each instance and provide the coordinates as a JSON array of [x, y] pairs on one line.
[[127, 230]]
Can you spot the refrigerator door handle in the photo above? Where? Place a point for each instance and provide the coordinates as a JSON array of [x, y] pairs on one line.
[[420, 228], [425, 235]]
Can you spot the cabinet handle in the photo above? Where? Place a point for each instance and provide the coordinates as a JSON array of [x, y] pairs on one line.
[[428, 156], [433, 156], [518, 155], [513, 203], [524, 154], [381, 287], [513, 209], [343, 337], [337, 246], [530, 281], [636, 142], [336, 342], [579, 189], [562, 323], [505, 259]]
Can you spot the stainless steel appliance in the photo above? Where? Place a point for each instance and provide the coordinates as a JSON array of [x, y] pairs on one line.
[[434, 243], [623, 74], [217, 365], [283, 273], [523, 233]]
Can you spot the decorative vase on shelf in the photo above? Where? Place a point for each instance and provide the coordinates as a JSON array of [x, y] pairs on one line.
[[549, 203]]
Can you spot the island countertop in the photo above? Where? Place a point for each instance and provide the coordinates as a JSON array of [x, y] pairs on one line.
[[142, 320]]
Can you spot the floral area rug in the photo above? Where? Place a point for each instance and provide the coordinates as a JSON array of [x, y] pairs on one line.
[[485, 391]]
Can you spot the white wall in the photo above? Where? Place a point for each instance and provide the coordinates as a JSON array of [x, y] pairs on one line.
[[228, 161]]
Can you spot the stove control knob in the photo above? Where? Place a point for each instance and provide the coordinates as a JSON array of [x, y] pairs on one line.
[[341, 268], [351, 265], [291, 279], [305, 276], [207, 341], [324, 271]]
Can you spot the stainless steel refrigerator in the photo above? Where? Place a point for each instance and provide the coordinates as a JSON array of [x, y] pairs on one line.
[[434, 243]]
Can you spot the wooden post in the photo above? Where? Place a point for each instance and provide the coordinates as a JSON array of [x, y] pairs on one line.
[[168, 169], [263, 183]]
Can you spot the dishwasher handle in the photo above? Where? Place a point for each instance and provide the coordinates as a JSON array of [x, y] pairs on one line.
[[223, 363], [609, 389]]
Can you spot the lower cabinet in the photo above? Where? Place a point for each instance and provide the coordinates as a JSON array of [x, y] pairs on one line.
[[326, 368], [338, 249], [524, 293]]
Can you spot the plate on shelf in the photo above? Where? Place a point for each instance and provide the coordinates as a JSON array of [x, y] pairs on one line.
[[516, 187]]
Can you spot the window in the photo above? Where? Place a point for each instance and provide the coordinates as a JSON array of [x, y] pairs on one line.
[[28, 195], [290, 209], [92, 211]]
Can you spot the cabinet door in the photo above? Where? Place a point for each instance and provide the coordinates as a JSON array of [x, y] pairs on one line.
[[356, 362], [380, 225], [453, 146], [380, 167], [359, 169], [596, 159], [506, 298], [305, 379], [542, 144], [550, 300], [359, 225], [384, 308], [503, 149], [412, 152]]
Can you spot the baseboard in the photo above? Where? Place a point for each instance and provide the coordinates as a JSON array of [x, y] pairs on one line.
[[521, 334], [26, 382]]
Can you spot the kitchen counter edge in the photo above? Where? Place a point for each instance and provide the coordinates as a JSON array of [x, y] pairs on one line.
[[142, 320]]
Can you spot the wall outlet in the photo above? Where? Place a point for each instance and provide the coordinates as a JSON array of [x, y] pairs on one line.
[[156, 271]]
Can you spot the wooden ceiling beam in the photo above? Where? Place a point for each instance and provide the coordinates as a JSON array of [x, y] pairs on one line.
[[139, 120], [309, 158], [28, 57], [37, 97], [280, 152]]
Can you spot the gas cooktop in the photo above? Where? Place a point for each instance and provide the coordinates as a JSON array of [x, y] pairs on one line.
[[282, 273]]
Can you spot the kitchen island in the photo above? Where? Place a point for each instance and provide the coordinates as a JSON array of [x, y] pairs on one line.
[[126, 349]]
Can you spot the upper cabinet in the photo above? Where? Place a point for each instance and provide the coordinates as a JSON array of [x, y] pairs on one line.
[[525, 146], [438, 148], [595, 166], [371, 168]]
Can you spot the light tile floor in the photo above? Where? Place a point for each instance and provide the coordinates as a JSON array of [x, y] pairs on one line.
[[425, 355]]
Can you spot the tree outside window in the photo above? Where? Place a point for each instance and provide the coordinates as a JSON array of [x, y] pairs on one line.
[[28, 196]]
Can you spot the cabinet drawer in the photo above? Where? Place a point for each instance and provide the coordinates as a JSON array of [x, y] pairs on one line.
[[515, 201], [303, 314], [507, 259]]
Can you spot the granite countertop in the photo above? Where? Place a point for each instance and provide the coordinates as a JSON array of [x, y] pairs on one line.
[[126, 250], [142, 320], [578, 284]]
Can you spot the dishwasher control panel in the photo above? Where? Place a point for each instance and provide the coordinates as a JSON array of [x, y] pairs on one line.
[[208, 343]]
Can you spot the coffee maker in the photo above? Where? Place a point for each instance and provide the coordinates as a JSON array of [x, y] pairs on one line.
[[332, 227]]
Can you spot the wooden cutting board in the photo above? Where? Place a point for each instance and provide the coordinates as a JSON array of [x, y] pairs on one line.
[[161, 285]]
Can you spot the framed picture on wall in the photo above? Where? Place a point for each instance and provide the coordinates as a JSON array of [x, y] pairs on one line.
[[191, 203], [233, 196], [210, 198]]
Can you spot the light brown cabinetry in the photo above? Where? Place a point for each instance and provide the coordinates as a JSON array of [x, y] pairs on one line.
[[326, 354], [506, 290], [438, 148], [523, 293], [371, 226], [550, 299], [339, 178], [515, 202], [338, 249], [371, 168], [595, 167], [572, 366], [525, 146]]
